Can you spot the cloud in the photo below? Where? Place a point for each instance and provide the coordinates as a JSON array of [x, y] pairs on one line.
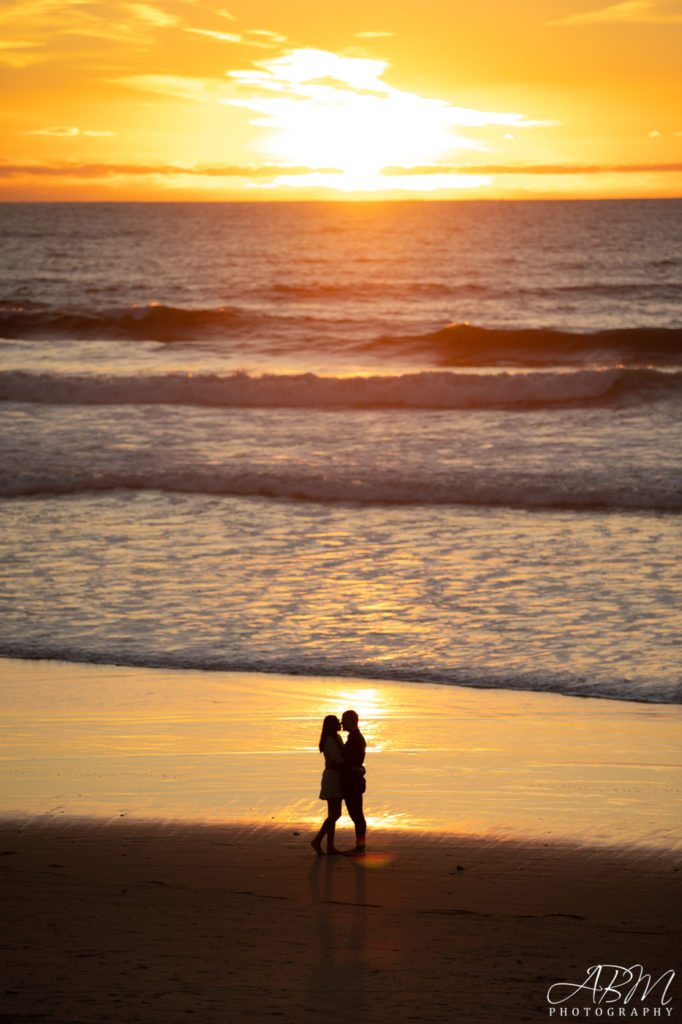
[[420, 178], [70, 132], [274, 37], [374, 35], [264, 39], [152, 15], [338, 109], [57, 132], [432, 177], [295, 69], [15, 44], [25, 11], [345, 182], [159, 170], [36, 18], [178, 86], [656, 12], [223, 37], [18, 53], [549, 169], [56, 24], [335, 110]]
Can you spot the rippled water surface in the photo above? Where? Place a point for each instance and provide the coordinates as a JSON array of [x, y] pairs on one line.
[[435, 441]]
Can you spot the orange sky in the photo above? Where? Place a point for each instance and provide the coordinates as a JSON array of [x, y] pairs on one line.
[[271, 100]]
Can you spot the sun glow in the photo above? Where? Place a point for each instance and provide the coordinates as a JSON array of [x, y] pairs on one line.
[[151, 100], [337, 115]]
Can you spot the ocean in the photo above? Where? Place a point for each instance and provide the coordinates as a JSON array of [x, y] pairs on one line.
[[425, 441]]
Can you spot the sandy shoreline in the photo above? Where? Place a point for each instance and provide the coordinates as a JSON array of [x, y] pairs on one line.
[[156, 865], [160, 923], [103, 741]]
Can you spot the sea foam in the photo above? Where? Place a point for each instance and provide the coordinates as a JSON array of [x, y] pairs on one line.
[[423, 390]]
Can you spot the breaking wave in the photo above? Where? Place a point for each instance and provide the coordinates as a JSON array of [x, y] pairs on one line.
[[153, 322], [569, 684], [349, 485], [468, 345], [424, 390], [456, 344]]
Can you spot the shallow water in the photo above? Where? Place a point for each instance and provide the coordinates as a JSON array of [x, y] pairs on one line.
[[511, 598]]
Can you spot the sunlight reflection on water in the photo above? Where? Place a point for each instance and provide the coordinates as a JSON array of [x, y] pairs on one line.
[[216, 746]]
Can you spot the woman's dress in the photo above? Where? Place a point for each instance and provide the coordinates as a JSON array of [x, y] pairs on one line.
[[330, 788]]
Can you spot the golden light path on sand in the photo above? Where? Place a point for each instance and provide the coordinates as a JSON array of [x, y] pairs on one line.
[[201, 746]]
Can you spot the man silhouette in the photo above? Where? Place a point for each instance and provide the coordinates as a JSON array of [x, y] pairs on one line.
[[353, 778]]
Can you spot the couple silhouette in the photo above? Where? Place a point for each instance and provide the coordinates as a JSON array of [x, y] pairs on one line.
[[343, 778]]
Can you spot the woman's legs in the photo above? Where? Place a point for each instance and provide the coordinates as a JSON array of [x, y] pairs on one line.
[[328, 827], [333, 815]]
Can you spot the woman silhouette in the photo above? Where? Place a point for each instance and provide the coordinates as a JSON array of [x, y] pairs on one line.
[[331, 745]]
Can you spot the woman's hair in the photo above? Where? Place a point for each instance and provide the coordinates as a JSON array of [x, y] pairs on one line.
[[330, 727]]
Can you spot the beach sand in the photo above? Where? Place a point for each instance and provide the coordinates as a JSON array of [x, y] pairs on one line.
[[156, 861], [146, 923]]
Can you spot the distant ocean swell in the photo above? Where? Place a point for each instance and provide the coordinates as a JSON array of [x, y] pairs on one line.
[[457, 344], [467, 345], [149, 322], [349, 485], [568, 684], [424, 390]]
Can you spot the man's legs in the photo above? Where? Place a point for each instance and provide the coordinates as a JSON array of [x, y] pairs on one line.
[[354, 808]]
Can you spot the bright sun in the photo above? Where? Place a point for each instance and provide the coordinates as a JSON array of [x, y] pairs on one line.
[[336, 114]]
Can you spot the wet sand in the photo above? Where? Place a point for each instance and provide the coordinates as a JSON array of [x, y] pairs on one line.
[[153, 922], [156, 863], [101, 741]]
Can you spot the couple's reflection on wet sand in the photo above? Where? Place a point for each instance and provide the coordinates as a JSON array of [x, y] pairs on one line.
[[337, 988]]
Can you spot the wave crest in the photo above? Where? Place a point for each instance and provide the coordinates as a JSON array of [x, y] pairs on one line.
[[153, 322], [568, 684], [456, 344], [424, 390], [464, 344], [346, 485]]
